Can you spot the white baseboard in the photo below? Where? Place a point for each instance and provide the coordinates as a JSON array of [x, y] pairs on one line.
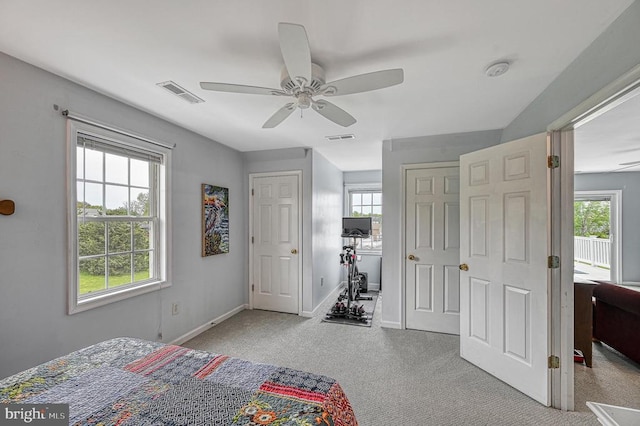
[[334, 293], [373, 286], [204, 327], [633, 283], [391, 324]]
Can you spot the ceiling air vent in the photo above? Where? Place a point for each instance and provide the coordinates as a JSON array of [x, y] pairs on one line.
[[180, 92], [340, 137]]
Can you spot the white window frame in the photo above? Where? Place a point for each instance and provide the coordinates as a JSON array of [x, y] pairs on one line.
[[360, 187], [76, 303]]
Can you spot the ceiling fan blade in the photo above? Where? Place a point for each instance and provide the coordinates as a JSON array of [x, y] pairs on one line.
[[280, 115], [296, 53], [333, 113], [239, 88], [364, 82]]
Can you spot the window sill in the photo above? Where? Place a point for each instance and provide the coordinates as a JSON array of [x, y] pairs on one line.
[[105, 299]]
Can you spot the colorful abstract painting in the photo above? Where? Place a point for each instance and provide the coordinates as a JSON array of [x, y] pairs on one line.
[[215, 220]]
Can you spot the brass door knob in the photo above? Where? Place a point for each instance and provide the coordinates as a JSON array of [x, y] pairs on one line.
[[411, 257], [464, 267], [294, 251]]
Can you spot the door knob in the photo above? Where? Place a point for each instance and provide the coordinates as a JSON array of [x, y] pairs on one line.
[[411, 257], [294, 251], [464, 267]]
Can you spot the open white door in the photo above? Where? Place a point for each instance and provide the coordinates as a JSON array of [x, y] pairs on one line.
[[504, 235]]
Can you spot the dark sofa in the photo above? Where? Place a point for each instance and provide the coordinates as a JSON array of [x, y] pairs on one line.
[[616, 319]]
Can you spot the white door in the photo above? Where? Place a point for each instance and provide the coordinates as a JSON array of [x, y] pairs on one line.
[[504, 310], [432, 249], [276, 243]]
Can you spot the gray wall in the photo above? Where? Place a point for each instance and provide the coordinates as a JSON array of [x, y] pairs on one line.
[[395, 153], [327, 226], [34, 325], [290, 159], [369, 262], [629, 183], [611, 55]]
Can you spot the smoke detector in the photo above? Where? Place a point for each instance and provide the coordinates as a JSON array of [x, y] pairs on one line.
[[497, 69]]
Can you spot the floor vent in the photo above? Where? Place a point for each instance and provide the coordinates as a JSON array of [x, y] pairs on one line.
[[180, 92], [340, 137]]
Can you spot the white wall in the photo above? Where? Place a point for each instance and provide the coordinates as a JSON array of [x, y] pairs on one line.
[[395, 153], [629, 183], [34, 325], [327, 226]]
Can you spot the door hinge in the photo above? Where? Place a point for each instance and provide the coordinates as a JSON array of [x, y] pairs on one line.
[[553, 262], [553, 362], [252, 192], [553, 161], [251, 240], [253, 287]]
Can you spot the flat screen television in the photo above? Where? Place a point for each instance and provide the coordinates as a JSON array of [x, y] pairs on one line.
[[359, 227]]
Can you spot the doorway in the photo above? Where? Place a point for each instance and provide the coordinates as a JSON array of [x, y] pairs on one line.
[[598, 235], [275, 259]]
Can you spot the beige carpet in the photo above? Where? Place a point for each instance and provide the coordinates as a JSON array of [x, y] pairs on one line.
[[406, 377]]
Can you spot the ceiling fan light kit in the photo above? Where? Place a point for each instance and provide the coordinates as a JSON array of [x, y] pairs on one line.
[[303, 80]]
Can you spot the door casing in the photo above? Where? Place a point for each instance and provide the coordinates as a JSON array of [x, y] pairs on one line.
[[252, 177]]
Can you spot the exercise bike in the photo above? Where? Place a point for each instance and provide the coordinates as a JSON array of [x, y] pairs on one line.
[[346, 307]]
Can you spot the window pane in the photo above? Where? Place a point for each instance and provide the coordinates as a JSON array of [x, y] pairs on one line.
[[119, 270], [142, 266], [116, 200], [377, 209], [139, 173], [366, 210], [79, 162], [90, 238], [91, 194], [116, 170], [356, 198], [366, 198], [139, 205], [119, 237], [93, 165], [356, 210], [91, 275], [377, 198], [141, 231]]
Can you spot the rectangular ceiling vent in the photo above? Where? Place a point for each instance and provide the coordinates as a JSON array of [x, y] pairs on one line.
[[180, 92], [340, 137]]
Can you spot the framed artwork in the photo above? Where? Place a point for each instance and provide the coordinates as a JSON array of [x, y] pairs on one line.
[[215, 220]]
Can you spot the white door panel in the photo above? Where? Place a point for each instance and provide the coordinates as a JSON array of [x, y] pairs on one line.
[[504, 242], [275, 247], [432, 249]]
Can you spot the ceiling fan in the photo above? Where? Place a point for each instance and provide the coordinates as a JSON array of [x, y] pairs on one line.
[[303, 80]]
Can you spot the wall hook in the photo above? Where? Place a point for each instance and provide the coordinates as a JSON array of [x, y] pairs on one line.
[[7, 207]]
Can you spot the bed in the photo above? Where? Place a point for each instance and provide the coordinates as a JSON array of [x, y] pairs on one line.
[[127, 381]]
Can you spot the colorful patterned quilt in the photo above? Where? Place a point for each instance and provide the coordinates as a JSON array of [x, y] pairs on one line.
[[128, 381]]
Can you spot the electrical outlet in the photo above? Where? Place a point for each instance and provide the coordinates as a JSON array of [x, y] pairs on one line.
[[175, 309]]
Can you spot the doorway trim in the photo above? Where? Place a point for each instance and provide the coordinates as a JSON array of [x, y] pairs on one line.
[[615, 220], [561, 134], [252, 177]]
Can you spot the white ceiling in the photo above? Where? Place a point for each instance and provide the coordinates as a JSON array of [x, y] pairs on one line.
[[611, 141], [123, 48]]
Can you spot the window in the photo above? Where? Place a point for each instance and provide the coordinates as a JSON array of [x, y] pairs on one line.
[[118, 216], [368, 203]]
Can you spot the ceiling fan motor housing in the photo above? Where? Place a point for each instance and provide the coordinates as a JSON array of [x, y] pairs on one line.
[[317, 81]]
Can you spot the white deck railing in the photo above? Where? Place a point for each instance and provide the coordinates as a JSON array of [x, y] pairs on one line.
[[591, 250]]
